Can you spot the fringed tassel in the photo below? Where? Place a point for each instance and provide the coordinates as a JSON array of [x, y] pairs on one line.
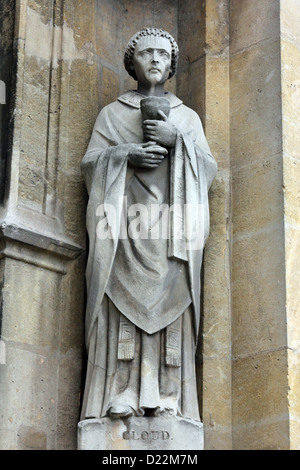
[[173, 344], [126, 342]]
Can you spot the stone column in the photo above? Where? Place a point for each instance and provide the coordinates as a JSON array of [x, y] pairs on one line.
[[264, 88], [203, 83], [42, 226], [290, 89]]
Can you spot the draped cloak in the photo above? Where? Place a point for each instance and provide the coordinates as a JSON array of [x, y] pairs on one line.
[[123, 284]]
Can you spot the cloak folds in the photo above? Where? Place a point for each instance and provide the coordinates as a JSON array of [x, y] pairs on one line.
[[108, 177]]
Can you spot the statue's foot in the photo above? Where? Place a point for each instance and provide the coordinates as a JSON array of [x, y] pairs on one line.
[[120, 411]]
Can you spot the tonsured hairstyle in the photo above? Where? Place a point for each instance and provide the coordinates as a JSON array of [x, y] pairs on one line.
[[129, 51]]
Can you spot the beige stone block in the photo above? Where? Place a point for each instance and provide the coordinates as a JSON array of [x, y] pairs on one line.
[[291, 172], [219, 194], [34, 129], [290, 68], [252, 21], [216, 295], [81, 18], [217, 116], [75, 202], [217, 27], [259, 400], [110, 86], [292, 263], [80, 107], [191, 34], [38, 24], [294, 384], [216, 391], [258, 292], [216, 403], [262, 436], [70, 375], [165, 14], [255, 103], [217, 437], [196, 88], [294, 434], [257, 195], [106, 26], [43, 7], [216, 323], [31, 305], [290, 20], [28, 388], [73, 307], [183, 79]]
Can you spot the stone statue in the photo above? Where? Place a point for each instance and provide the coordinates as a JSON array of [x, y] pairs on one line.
[[148, 169]]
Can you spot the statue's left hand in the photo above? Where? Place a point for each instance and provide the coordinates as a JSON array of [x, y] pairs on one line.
[[162, 132]]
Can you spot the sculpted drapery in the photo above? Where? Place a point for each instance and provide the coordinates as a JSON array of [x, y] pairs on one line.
[[143, 293]]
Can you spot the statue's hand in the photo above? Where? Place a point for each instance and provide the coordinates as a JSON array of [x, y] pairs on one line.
[[148, 155], [163, 132]]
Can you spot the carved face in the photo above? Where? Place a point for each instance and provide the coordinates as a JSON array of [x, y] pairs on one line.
[[152, 60]]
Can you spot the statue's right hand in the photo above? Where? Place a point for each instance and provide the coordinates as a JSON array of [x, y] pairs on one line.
[[147, 155]]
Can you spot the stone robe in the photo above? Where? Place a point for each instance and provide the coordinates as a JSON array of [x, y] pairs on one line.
[[143, 295]]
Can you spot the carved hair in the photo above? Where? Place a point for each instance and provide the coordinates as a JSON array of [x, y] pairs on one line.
[[129, 51]]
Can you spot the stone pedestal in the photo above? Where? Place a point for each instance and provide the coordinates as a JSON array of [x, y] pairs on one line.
[[145, 433]]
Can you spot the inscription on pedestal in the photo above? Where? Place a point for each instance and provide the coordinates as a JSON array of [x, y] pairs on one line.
[[146, 436], [137, 433]]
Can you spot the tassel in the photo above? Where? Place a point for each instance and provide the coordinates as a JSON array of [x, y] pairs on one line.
[[173, 344], [126, 342]]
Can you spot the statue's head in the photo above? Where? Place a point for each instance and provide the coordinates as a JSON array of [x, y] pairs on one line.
[[146, 35]]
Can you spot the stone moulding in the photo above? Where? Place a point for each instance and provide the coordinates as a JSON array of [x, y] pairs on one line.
[[43, 250]]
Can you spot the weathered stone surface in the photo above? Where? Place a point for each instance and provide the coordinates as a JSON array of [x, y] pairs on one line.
[[191, 15], [41, 326], [258, 292], [28, 386], [255, 101], [110, 86], [252, 21], [217, 103], [294, 384], [291, 169], [257, 194], [217, 28], [289, 21], [290, 58], [140, 434], [265, 115], [217, 415], [290, 69], [260, 416]]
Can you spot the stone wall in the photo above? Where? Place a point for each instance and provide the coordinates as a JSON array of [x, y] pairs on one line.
[[203, 84], [290, 89], [68, 59], [239, 67]]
